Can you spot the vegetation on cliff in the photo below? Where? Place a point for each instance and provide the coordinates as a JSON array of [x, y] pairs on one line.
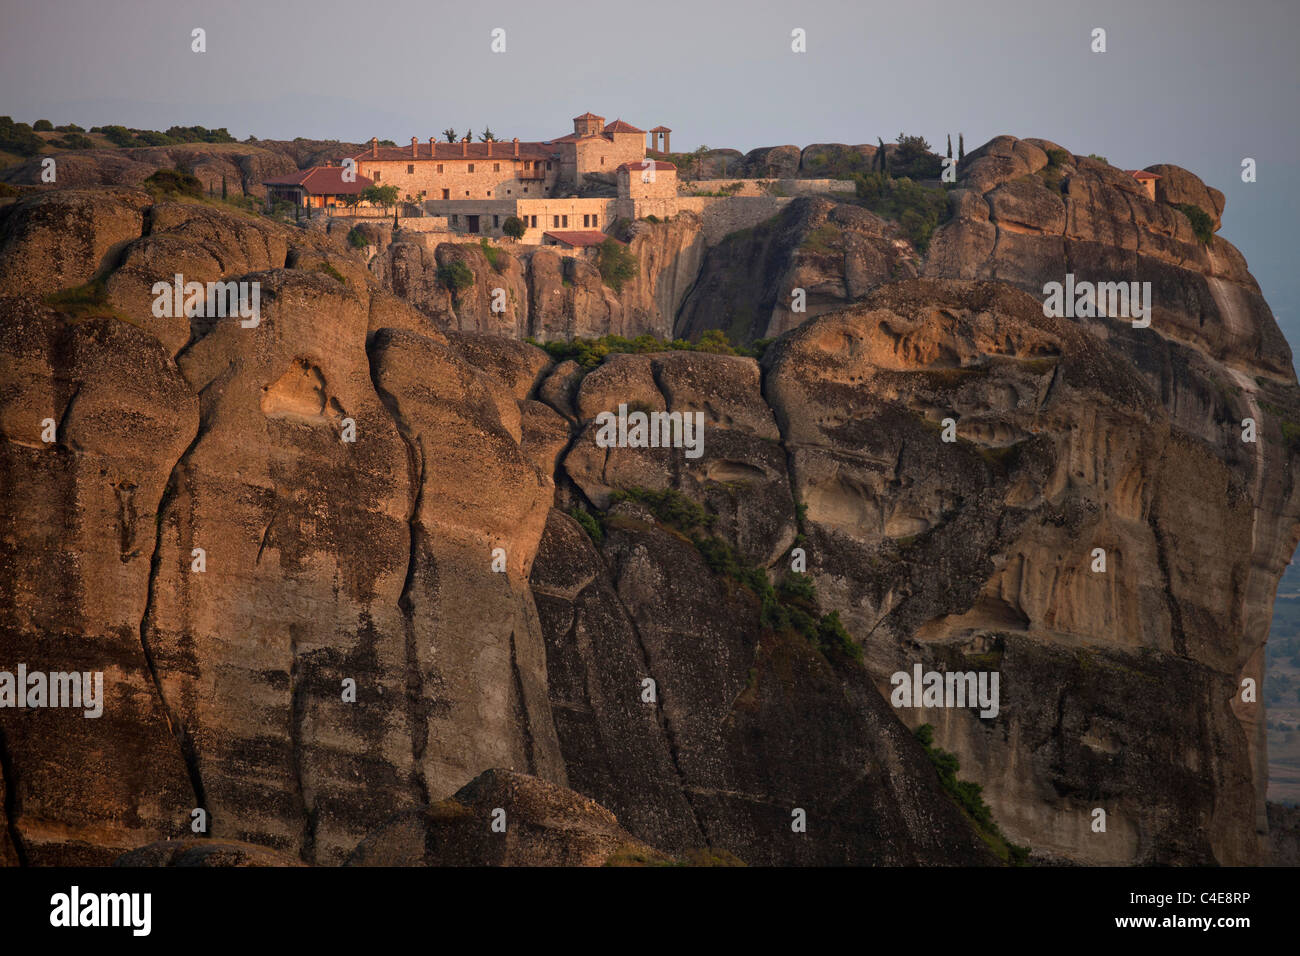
[[969, 797], [591, 352]]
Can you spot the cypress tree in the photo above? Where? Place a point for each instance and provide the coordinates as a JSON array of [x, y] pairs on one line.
[[961, 146], [950, 145], [223, 187]]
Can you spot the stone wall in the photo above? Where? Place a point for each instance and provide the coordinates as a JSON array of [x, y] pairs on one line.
[[723, 215], [571, 214], [769, 187]]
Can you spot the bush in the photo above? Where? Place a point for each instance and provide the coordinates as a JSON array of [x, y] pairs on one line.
[[589, 525], [1201, 222], [970, 798], [669, 506], [174, 182], [118, 135], [514, 228], [357, 239], [914, 160], [19, 138], [616, 263], [1057, 158], [455, 276], [333, 273], [494, 255], [69, 128], [918, 209], [43, 126], [73, 141], [591, 352]]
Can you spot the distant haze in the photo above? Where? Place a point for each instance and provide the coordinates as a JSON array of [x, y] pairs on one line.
[[1190, 82]]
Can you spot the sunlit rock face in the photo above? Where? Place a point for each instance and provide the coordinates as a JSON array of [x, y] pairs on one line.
[[328, 565]]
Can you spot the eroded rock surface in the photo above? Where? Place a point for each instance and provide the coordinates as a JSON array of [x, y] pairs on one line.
[[325, 643]]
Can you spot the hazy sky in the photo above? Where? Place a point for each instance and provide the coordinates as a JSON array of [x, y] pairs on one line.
[[1197, 83]]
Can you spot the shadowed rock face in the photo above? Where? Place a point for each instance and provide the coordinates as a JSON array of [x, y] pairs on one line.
[[503, 818], [378, 622]]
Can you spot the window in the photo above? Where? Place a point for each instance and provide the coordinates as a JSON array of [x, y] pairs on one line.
[[446, 194], [555, 222], [525, 189], [594, 223], [489, 194], [528, 165], [455, 219], [467, 192], [377, 175], [509, 191], [548, 164], [410, 167], [496, 221], [565, 223], [440, 167], [471, 167], [602, 160], [496, 167], [534, 223], [586, 221]]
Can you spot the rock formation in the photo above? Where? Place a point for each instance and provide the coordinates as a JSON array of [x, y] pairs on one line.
[[338, 565]]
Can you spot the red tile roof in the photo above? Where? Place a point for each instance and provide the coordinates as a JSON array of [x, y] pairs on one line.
[[661, 129], [322, 181], [452, 151], [580, 239], [589, 116], [638, 166], [618, 126], [1142, 174]]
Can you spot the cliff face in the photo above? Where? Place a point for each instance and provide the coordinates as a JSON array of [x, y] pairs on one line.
[[434, 564], [544, 295]]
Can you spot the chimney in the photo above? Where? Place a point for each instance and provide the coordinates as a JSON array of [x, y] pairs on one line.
[[464, 146], [374, 147], [489, 147], [415, 145], [433, 149], [516, 142]]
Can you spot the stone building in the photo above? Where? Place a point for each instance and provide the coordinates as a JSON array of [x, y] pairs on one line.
[[478, 186], [1147, 181], [501, 170]]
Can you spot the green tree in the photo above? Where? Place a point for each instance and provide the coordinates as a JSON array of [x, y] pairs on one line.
[[950, 145], [514, 228], [914, 159], [961, 147], [616, 263], [450, 133], [380, 195], [455, 276], [487, 136], [43, 126]]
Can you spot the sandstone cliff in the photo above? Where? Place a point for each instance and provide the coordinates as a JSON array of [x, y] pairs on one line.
[[436, 562]]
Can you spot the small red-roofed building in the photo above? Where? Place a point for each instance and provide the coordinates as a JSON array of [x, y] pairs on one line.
[[317, 187], [576, 239], [1146, 180]]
